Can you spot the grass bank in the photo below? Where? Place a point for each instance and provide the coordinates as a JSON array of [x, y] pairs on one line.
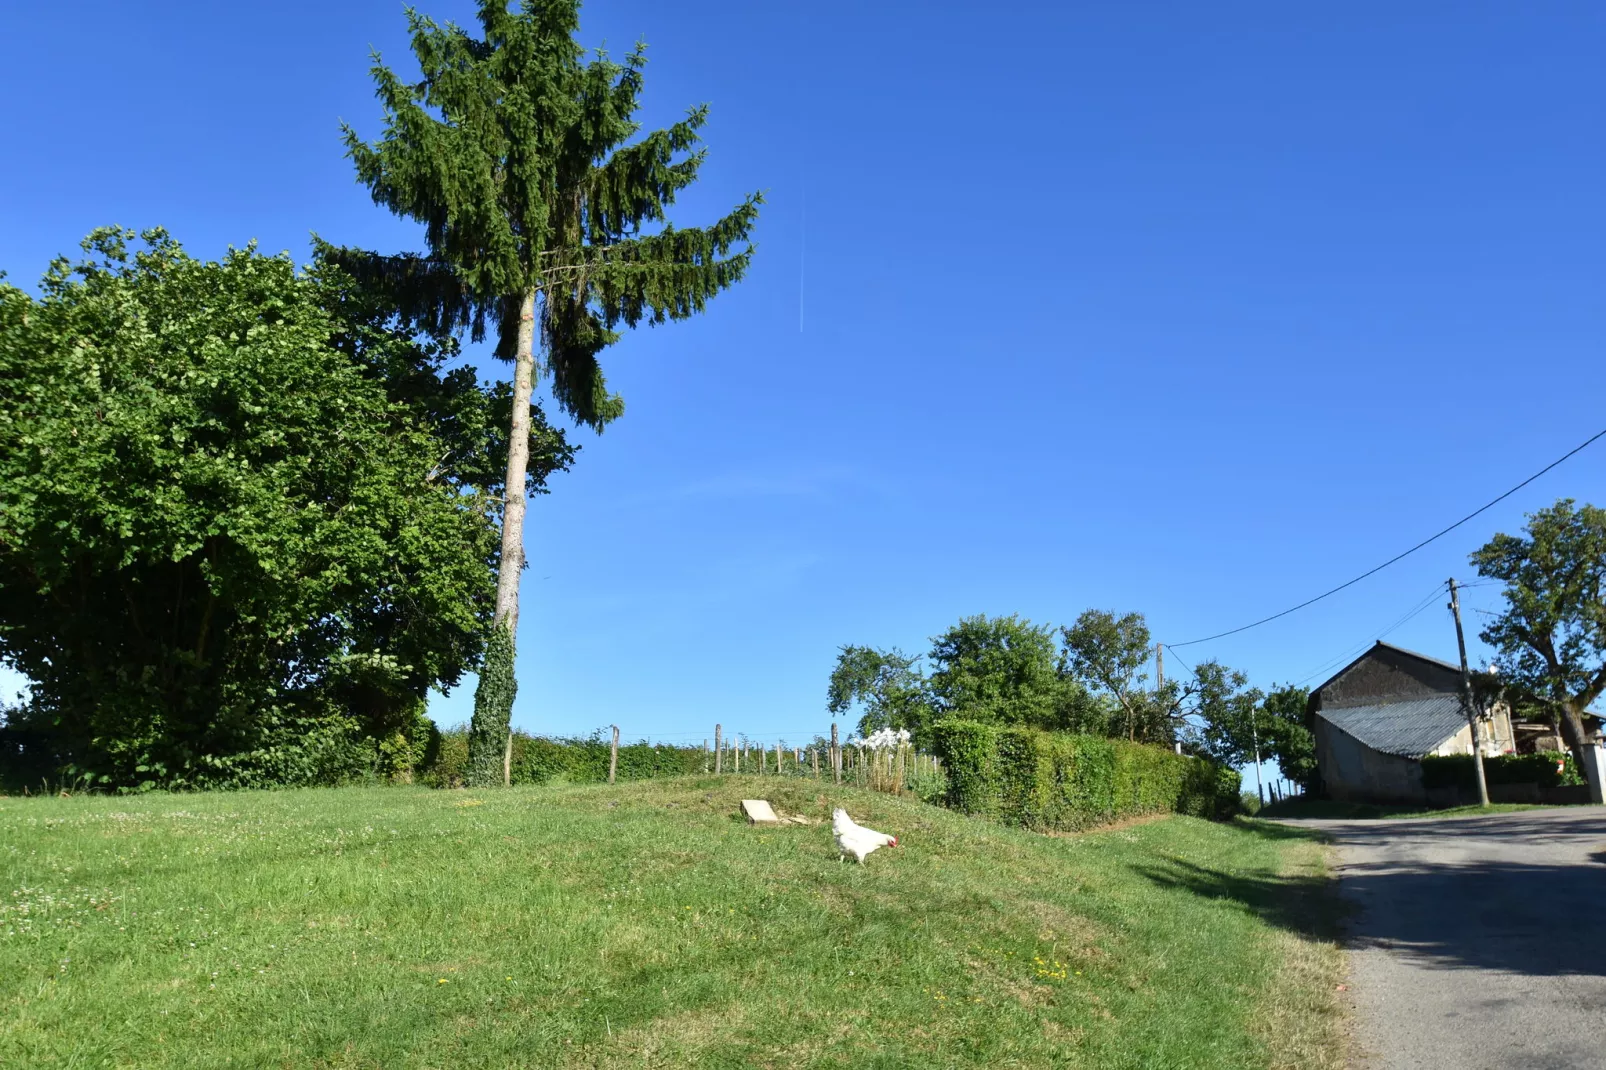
[[645, 925]]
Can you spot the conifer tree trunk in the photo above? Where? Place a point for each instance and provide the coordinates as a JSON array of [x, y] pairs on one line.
[[518, 458], [490, 729]]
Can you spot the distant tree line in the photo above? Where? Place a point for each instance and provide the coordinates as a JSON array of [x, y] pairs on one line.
[[1089, 677]]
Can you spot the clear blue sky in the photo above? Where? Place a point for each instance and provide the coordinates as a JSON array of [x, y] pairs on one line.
[[1195, 310]]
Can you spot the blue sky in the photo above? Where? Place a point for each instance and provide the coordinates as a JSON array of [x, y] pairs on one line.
[[1195, 310]]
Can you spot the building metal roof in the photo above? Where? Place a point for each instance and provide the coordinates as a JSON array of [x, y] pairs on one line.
[[1410, 728]]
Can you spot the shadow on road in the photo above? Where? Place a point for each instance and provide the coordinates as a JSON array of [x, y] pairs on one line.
[[1459, 894]]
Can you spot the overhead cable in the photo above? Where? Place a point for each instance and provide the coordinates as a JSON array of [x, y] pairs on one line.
[[1400, 556]]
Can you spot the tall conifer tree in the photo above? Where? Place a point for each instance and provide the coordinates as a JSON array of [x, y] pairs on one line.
[[545, 217]]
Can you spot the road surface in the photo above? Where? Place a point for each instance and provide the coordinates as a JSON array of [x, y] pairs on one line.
[[1479, 943]]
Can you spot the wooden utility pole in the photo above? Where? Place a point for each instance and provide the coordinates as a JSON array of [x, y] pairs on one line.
[[719, 749], [613, 755], [1466, 698]]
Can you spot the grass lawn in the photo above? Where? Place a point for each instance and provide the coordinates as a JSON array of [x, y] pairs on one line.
[[645, 925]]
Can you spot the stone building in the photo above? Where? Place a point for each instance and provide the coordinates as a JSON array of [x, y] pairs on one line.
[[1377, 717]]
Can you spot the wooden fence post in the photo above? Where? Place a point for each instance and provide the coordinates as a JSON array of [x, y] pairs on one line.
[[762, 752], [613, 755], [719, 749], [736, 755], [814, 752], [507, 760], [777, 758], [836, 756]]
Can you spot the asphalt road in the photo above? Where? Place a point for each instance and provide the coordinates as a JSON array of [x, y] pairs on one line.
[[1479, 942]]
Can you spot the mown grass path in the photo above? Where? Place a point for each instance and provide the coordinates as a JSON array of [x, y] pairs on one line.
[[643, 925]]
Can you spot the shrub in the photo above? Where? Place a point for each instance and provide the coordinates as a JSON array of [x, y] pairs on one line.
[[550, 759], [225, 489], [969, 753], [1546, 769], [1049, 780]]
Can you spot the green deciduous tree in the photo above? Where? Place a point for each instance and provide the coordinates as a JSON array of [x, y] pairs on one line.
[[1108, 653], [1287, 735], [239, 511], [887, 685], [544, 209], [1004, 670], [1223, 714], [1551, 636]]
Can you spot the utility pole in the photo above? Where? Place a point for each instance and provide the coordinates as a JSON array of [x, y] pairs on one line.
[[1466, 698]]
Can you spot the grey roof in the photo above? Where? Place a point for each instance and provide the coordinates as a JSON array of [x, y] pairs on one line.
[[1410, 727]]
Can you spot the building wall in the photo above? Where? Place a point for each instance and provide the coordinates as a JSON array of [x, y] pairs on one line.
[[1385, 673], [1354, 772], [1496, 732]]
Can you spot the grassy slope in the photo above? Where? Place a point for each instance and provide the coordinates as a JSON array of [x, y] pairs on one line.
[[642, 926]]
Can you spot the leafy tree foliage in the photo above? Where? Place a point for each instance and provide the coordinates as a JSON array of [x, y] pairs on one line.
[[887, 685], [243, 519], [1224, 715], [1286, 734], [1551, 637], [1004, 670], [1108, 653], [544, 209]]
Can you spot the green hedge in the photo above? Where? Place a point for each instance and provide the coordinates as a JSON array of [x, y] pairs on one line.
[[544, 760], [1455, 770], [1056, 780]]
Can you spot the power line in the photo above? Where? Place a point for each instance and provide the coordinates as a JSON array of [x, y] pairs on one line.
[[1397, 557], [1348, 655]]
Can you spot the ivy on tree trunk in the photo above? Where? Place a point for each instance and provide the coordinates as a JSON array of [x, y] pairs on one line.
[[493, 709]]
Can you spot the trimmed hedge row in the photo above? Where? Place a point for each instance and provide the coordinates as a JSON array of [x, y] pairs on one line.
[[1546, 769], [543, 760], [1047, 780]]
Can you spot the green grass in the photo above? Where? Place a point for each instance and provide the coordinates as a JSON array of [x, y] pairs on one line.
[[645, 925], [1327, 808]]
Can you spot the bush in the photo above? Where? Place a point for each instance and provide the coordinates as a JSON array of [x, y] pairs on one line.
[[1546, 769], [1050, 780], [227, 532], [969, 754], [574, 760]]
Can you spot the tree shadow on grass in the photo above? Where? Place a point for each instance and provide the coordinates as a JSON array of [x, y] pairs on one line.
[[1307, 904]]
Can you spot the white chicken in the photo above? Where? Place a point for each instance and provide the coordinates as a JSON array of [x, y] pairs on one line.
[[856, 840]]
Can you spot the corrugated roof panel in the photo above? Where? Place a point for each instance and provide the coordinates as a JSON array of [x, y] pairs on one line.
[[1410, 727]]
